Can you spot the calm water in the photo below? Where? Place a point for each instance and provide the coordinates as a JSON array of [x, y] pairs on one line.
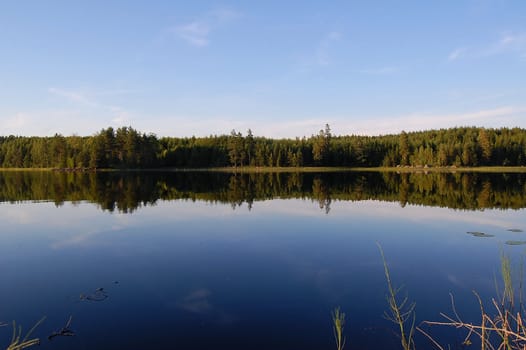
[[209, 261]]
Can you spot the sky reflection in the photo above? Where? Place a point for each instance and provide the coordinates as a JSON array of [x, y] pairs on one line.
[[186, 264]]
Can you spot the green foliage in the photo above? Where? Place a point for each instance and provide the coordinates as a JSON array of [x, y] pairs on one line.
[[127, 148], [121, 148], [403, 146], [486, 148], [236, 149], [321, 146]]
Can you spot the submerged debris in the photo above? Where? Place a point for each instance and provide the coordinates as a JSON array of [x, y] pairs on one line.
[[479, 234], [63, 332], [515, 242], [3, 324], [98, 295], [515, 230]]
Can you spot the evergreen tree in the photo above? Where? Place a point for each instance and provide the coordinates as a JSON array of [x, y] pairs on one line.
[[485, 146], [403, 148]]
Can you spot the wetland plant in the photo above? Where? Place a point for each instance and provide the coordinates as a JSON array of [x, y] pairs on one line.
[[19, 343], [501, 326], [338, 322], [507, 293], [502, 329], [400, 311]]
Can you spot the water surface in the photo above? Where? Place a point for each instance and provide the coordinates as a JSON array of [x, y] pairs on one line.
[[213, 260]]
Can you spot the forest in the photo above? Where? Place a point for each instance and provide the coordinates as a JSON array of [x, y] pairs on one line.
[[127, 148]]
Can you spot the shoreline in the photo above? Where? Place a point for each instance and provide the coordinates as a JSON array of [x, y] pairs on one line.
[[251, 169]]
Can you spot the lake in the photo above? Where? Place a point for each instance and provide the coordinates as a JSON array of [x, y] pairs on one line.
[[206, 260]]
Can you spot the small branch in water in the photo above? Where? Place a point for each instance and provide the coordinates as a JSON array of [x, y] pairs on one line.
[[63, 332], [98, 295]]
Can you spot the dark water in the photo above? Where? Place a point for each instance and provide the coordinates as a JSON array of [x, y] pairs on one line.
[[221, 261]]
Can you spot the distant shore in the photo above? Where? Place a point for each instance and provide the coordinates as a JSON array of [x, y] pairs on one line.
[[252, 169], [405, 169]]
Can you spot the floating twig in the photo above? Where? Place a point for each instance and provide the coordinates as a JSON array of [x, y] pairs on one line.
[[63, 332], [98, 295]]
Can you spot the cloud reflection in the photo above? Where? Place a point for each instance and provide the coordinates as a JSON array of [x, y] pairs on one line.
[[197, 301]]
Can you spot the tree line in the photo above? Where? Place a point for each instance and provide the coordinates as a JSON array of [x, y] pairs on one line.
[[125, 147]]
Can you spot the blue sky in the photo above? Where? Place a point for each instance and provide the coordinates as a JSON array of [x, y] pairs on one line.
[[281, 68]]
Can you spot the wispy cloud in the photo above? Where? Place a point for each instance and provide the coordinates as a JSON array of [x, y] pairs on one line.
[[118, 92], [77, 111], [387, 70], [84, 238], [321, 55], [322, 52], [194, 33], [16, 122], [121, 116], [496, 117], [197, 32], [44, 123], [186, 125], [456, 54], [72, 121], [72, 96], [118, 115], [508, 43], [224, 15], [514, 41], [88, 96]]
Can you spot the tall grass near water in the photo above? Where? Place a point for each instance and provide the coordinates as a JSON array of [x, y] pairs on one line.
[[18, 342], [501, 326], [502, 323]]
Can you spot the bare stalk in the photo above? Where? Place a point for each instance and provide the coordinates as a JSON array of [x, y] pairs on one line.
[[338, 321], [400, 311], [504, 330], [19, 343]]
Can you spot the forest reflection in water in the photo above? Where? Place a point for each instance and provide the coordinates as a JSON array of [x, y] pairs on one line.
[[194, 268], [128, 191]]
